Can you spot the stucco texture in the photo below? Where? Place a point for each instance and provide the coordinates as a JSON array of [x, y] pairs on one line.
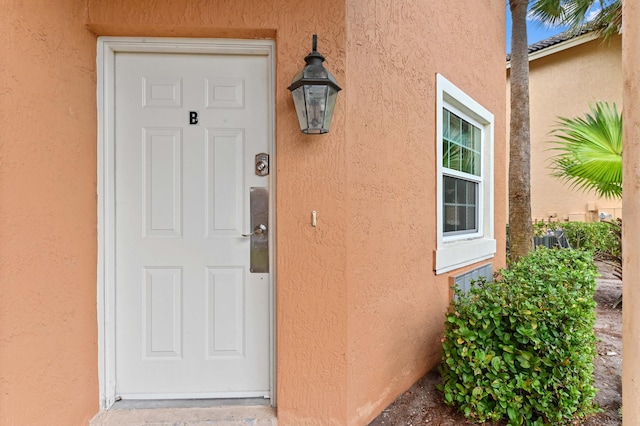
[[565, 84], [631, 219], [48, 326], [396, 303], [359, 311]]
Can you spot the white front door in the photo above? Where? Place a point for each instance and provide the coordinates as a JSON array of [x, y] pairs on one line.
[[191, 319]]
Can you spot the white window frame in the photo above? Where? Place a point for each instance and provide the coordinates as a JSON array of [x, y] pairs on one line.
[[456, 251]]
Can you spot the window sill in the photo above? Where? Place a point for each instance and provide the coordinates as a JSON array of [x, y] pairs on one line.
[[457, 254]]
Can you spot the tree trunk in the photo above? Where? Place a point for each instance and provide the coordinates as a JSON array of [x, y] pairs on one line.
[[520, 229]]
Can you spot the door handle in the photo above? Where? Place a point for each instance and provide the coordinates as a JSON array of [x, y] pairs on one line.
[[259, 229], [258, 238]]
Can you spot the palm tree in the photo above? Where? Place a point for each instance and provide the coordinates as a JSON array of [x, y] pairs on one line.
[[568, 12], [590, 151], [520, 229]]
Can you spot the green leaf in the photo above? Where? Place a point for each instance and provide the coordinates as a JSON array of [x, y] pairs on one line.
[[495, 363], [448, 397], [590, 151]]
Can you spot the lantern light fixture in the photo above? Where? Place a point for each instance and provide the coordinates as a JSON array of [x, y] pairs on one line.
[[314, 90]]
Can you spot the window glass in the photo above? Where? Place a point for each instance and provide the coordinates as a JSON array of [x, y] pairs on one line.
[[461, 153], [460, 205], [460, 144]]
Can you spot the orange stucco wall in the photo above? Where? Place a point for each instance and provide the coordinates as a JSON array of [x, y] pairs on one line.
[[48, 256], [564, 84], [359, 309], [631, 218], [396, 303]]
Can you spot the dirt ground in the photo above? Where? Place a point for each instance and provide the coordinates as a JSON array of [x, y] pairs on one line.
[[422, 403]]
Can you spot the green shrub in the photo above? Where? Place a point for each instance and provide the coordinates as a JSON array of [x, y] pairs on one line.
[[593, 236], [522, 347], [597, 237]]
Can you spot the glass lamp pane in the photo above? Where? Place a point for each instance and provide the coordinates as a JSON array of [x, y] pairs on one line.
[[331, 103], [315, 97], [301, 107]]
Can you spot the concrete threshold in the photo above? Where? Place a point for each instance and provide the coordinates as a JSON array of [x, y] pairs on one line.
[[192, 416]]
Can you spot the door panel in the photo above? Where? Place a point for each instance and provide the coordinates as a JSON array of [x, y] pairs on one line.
[[162, 320], [162, 182], [225, 312], [191, 319], [225, 189]]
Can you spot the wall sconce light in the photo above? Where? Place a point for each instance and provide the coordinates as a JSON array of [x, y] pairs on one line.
[[314, 91]]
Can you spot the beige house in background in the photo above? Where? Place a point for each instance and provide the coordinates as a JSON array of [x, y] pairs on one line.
[[567, 74]]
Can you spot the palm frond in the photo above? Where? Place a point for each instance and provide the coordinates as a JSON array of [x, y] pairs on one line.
[[571, 13], [608, 22], [574, 14], [589, 151], [548, 11]]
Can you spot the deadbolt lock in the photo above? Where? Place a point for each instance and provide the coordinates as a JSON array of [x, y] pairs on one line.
[[262, 164]]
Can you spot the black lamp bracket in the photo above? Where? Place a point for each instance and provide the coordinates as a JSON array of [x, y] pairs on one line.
[[314, 57]]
